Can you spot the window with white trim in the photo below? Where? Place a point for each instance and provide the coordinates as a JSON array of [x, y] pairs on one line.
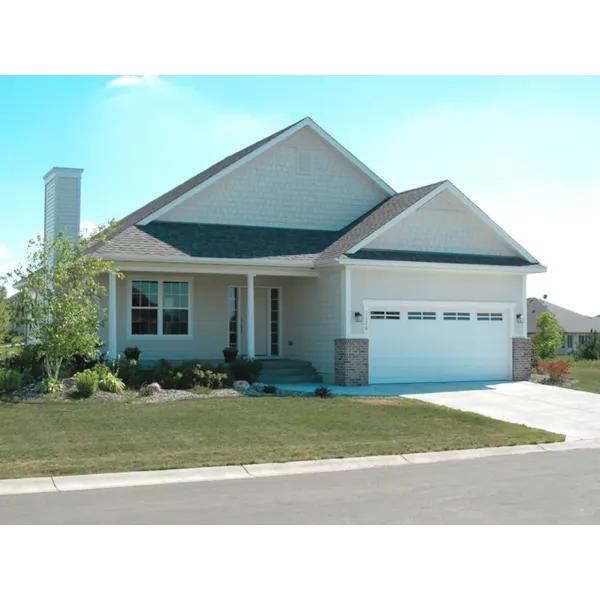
[[582, 339], [489, 316], [159, 307], [457, 316], [392, 315], [421, 316], [569, 341]]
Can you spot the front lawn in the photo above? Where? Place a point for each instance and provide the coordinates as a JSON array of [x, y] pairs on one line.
[[587, 375], [60, 439]]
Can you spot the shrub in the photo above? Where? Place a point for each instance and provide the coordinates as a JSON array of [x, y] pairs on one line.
[[590, 349], [28, 361], [208, 378], [230, 354], [132, 353], [49, 386], [86, 382], [270, 389], [245, 369], [557, 370], [10, 380], [535, 353], [128, 370], [323, 392], [107, 380], [163, 373]]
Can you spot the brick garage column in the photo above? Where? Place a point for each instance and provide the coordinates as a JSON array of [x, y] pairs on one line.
[[351, 362], [521, 359]]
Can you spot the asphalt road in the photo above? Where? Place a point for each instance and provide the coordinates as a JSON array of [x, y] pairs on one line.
[[544, 488]]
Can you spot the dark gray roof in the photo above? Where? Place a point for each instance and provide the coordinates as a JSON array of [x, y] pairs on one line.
[[439, 257], [569, 320], [165, 239], [372, 220]]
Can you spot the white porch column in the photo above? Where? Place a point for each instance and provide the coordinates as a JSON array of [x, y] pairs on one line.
[[250, 317], [112, 315]]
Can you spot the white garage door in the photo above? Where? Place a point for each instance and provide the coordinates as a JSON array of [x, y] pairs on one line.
[[413, 345]]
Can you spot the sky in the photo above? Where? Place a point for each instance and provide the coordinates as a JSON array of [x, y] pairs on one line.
[[524, 149]]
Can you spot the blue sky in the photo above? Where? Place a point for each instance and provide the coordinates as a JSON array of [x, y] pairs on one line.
[[525, 149]]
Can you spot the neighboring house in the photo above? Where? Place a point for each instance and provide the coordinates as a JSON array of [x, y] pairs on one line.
[[293, 249], [576, 326]]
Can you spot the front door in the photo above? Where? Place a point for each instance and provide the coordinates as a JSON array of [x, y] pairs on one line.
[[261, 320]]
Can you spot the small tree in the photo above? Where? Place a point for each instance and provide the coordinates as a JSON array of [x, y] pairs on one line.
[[590, 349], [61, 292], [549, 336], [5, 314]]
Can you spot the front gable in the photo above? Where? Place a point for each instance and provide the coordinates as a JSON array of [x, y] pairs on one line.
[[301, 182], [444, 224]]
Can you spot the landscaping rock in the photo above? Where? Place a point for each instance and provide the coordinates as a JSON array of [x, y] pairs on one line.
[[241, 386], [151, 389]]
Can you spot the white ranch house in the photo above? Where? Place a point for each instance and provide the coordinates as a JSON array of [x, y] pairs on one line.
[[293, 250]]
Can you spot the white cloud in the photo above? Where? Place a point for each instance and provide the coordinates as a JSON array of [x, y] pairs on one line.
[[133, 80], [88, 228]]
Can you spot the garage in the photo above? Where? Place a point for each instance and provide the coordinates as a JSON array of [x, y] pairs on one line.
[[414, 344]]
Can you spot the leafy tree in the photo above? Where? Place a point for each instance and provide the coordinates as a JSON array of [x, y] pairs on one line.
[[590, 349], [549, 336], [4, 313], [61, 292]]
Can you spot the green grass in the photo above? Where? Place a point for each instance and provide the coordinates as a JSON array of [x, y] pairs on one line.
[[59, 439], [586, 372]]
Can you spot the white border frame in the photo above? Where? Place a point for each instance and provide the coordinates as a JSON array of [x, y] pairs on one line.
[[306, 122], [508, 307], [160, 336], [279, 289]]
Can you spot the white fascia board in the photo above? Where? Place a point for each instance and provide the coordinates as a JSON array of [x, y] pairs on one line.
[[395, 264], [376, 303], [489, 221], [307, 122], [208, 261], [403, 215]]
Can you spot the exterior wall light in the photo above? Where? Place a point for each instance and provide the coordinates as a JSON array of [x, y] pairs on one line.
[[520, 318], [358, 317]]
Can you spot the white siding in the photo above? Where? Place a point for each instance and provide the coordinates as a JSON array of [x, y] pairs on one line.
[[210, 332], [409, 284], [269, 191], [444, 224], [314, 320]]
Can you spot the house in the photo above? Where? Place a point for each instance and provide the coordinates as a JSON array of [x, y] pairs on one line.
[[575, 325], [292, 249]]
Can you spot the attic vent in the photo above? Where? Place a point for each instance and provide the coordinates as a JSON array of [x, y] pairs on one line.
[[303, 162]]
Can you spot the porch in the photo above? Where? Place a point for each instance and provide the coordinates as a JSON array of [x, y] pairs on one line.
[[192, 313]]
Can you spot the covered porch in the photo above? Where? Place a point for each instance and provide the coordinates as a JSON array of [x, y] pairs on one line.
[[193, 312]]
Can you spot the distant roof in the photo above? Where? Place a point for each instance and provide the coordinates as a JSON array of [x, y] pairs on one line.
[[569, 320]]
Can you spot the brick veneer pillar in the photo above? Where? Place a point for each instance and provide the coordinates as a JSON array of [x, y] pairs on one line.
[[351, 362], [521, 359]]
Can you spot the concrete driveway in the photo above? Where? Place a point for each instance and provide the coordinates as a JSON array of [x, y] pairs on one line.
[[570, 412]]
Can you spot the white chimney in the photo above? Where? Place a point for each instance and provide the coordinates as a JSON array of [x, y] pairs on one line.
[[62, 206]]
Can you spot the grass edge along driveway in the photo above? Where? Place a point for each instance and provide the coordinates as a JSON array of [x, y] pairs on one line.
[[77, 438]]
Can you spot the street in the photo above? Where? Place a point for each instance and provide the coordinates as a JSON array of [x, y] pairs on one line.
[[544, 488]]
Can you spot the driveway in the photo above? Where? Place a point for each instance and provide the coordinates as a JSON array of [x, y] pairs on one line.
[[570, 412]]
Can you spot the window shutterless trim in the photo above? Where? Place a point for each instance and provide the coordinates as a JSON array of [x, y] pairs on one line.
[[159, 335]]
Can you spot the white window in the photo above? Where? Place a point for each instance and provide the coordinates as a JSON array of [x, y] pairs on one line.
[[582, 339], [569, 341], [421, 316], [457, 316], [160, 307]]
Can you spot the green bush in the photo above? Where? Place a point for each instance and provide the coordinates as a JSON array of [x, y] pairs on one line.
[[50, 386], [323, 392], [590, 349], [10, 380], [163, 372], [549, 336], [107, 380], [208, 378], [245, 369], [132, 353], [128, 370], [86, 382], [28, 360]]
